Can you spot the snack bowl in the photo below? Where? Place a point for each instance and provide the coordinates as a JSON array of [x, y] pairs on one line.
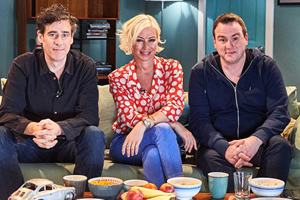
[[185, 187], [107, 188], [266, 187], [133, 182]]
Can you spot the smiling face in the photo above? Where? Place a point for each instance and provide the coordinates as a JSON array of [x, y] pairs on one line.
[[145, 46], [56, 41], [230, 43]]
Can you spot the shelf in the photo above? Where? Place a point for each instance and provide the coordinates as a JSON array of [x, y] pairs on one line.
[[82, 10], [108, 38], [101, 76], [84, 38]]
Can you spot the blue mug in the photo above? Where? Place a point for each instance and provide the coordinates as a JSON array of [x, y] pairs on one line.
[[218, 183]]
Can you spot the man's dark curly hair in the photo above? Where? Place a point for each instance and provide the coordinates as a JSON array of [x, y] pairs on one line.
[[56, 12]]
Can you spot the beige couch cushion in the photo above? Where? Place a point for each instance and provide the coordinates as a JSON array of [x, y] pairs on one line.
[[107, 112]]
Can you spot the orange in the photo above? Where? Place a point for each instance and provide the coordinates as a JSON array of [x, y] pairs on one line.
[[150, 186]]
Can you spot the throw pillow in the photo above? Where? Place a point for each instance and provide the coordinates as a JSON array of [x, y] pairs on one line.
[[107, 112], [295, 134], [293, 102], [288, 129]]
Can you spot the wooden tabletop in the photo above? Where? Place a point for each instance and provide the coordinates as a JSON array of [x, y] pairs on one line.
[[207, 196], [199, 196]]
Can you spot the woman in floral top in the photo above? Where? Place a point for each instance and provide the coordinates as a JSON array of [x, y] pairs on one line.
[[149, 96]]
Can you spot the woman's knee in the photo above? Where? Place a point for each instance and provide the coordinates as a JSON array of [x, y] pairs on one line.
[[165, 130]]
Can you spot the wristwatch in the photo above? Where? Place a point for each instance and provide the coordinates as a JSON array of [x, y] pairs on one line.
[[147, 123]]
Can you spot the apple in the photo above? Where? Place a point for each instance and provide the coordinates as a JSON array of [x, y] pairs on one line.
[[166, 187], [134, 194]]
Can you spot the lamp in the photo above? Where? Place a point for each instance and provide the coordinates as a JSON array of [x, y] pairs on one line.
[[162, 11]]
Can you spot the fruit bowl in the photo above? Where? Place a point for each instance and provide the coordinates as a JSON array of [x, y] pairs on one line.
[[134, 182], [108, 192], [266, 187], [140, 193], [185, 187]]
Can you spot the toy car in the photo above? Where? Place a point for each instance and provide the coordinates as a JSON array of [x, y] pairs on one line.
[[42, 189]]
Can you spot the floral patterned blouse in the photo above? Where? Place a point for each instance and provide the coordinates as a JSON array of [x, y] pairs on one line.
[[134, 104]]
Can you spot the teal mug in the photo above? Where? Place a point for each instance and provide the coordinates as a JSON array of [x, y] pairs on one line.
[[218, 183]]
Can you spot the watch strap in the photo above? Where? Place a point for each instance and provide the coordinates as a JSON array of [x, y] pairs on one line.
[[154, 122]]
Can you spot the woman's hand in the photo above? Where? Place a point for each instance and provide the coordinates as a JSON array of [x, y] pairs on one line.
[[187, 137], [133, 140]]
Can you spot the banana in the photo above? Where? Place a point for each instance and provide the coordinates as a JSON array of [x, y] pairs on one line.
[[163, 197], [150, 193]]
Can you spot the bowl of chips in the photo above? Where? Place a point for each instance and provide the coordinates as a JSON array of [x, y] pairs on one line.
[[105, 187]]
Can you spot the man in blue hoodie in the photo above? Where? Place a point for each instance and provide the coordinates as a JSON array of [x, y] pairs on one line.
[[238, 106]]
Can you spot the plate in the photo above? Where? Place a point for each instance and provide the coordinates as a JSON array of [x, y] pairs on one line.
[[89, 199], [123, 195], [270, 198]]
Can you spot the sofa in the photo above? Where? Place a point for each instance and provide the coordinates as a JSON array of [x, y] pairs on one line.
[[107, 113]]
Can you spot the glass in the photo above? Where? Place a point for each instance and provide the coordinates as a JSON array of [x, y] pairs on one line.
[[241, 185]]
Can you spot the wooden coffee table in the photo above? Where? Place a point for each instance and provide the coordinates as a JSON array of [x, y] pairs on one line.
[[207, 196], [199, 196]]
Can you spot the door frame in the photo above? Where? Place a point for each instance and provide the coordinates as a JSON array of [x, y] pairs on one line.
[[269, 28]]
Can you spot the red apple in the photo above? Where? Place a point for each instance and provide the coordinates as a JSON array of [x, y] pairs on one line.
[[166, 187], [134, 194]]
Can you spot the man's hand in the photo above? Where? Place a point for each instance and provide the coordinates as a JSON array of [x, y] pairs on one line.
[[245, 151], [45, 132], [232, 152], [250, 146]]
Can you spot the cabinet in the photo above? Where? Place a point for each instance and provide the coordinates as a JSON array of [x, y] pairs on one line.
[[82, 10]]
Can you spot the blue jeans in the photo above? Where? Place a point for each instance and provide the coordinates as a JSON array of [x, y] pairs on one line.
[[86, 151], [159, 154]]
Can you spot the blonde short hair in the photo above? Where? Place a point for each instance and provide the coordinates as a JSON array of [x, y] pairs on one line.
[[132, 28]]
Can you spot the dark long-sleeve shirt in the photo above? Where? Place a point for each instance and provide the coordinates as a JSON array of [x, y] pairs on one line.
[[32, 93], [221, 111]]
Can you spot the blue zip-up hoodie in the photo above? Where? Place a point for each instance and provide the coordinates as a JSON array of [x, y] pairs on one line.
[[221, 111]]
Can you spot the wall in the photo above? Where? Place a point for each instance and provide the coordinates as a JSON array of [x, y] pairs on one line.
[[287, 42], [180, 31], [8, 36], [128, 9]]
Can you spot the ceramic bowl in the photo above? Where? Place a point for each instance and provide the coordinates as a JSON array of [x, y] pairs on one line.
[[185, 187], [266, 187], [107, 192], [133, 182]]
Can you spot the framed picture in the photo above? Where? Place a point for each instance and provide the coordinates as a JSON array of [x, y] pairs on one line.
[[287, 2]]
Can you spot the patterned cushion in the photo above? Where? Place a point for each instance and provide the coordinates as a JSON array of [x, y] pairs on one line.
[[288, 129], [293, 102]]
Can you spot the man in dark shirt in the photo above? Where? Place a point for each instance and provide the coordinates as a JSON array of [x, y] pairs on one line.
[[49, 109], [239, 106]]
